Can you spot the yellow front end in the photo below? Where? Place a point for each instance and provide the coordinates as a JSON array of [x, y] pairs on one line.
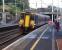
[[27, 21]]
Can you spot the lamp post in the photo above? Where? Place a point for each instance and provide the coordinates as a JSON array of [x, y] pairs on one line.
[[3, 6], [3, 14], [23, 5], [41, 3], [16, 9], [52, 10], [36, 5], [53, 34], [58, 10], [61, 9]]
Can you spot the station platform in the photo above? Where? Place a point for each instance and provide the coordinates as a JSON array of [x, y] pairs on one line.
[[39, 39]]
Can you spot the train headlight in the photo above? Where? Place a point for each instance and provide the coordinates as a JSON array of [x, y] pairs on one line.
[[32, 23], [21, 22]]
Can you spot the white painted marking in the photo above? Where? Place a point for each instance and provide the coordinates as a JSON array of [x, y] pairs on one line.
[[36, 42], [32, 36], [45, 37]]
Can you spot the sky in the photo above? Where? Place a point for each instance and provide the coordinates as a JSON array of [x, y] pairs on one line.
[[44, 3]]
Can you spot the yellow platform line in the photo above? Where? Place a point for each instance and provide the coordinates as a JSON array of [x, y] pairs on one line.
[[36, 42]]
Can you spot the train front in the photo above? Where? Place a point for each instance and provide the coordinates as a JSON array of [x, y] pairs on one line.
[[26, 22]]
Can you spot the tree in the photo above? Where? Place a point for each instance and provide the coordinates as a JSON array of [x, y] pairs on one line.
[[20, 5], [0, 2]]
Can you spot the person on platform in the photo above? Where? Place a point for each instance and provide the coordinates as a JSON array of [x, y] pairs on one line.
[[57, 25]]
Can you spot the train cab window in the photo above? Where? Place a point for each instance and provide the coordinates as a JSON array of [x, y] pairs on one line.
[[22, 15], [32, 17]]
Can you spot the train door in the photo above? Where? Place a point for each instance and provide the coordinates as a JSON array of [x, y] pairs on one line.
[[27, 20], [32, 21]]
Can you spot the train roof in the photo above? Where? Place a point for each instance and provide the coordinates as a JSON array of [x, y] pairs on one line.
[[42, 15]]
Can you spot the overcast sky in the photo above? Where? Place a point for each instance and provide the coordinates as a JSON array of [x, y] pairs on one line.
[[44, 3]]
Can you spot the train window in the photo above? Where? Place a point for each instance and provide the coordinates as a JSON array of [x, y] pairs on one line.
[[36, 19], [32, 17], [22, 15]]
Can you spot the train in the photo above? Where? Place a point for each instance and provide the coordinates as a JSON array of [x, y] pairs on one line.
[[30, 21]]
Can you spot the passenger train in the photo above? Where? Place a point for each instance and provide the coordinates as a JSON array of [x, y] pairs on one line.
[[30, 21]]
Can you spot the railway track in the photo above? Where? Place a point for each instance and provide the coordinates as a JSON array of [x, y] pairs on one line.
[[4, 34], [8, 37]]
